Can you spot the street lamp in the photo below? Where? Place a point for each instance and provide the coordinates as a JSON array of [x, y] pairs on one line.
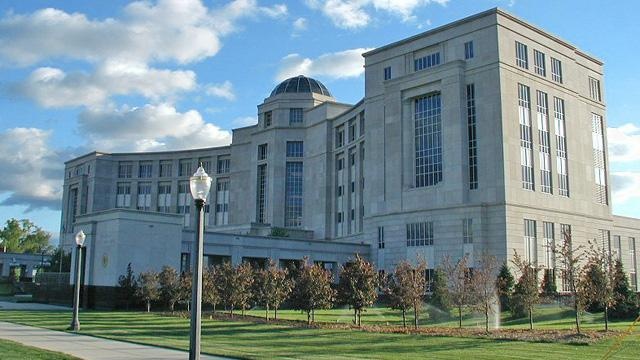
[[200, 184], [75, 323]]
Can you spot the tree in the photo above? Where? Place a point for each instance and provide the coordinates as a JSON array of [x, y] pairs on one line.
[[210, 290], [312, 289], [406, 289], [599, 280], [272, 287], [627, 305], [459, 283], [505, 283], [570, 259], [169, 286], [243, 285], [23, 236], [127, 285], [525, 293], [440, 297], [548, 285], [358, 286], [484, 286], [148, 288], [234, 285], [184, 288]]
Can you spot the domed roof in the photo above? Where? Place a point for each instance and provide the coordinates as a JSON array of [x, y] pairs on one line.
[[301, 84]]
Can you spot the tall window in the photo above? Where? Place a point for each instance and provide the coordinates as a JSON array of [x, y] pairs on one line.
[[293, 194], [548, 238], [295, 116], [387, 73], [467, 231], [206, 164], [428, 140], [472, 137], [184, 168], [420, 234], [380, 237], [530, 241], [539, 63], [426, 62], [556, 70], [545, 143], [224, 165], [352, 129], [73, 204], [164, 197], [522, 58], [184, 201], [526, 143], [617, 247], [123, 195], [222, 201], [361, 123], [144, 169], [261, 216], [594, 89], [144, 196], [263, 151], [267, 118], [633, 278], [295, 149], [468, 50], [125, 170], [165, 168], [599, 160], [339, 136], [561, 147]]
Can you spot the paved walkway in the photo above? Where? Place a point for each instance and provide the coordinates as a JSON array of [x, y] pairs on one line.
[[7, 305], [87, 347]]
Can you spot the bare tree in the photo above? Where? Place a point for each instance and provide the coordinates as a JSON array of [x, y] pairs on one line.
[[358, 286], [459, 283], [312, 289], [406, 289], [484, 286], [272, 286], [526, 293], [570, 258], [148, 288], [169, 286]]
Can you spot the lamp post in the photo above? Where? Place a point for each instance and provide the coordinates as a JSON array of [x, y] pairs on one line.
[[75, 323], [200, 184]]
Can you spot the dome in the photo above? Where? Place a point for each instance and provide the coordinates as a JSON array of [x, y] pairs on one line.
[[301, 84]]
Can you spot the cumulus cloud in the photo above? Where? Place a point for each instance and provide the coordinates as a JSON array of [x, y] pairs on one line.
[[31, 171], [245, 121], [626, 186], [151, 127], [624, 143], [351, 14], [337, 65], [224, 90], [300, 24]]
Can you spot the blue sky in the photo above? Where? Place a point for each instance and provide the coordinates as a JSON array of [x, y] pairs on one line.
[[77, 76]]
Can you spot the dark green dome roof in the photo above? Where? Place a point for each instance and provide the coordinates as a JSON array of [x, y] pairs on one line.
[[301, 84]]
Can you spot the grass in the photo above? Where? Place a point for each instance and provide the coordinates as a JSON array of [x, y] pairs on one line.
[[261, 341], [14, 351]]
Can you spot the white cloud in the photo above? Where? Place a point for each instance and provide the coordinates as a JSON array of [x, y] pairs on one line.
[[351, 14], [626, 186], [151, 127], [342, 64], [300, 24], [32, 172], [224, 90], [245, 121], [624, 143]]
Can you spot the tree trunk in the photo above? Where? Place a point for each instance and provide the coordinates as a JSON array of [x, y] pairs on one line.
[[460, 317], [360, 318], [404, 318], [308, 317], [606, 318], [486, 320], [232, 312], [172, 307], [214, 308], [148, 306], [242, 311], [275, 313], [313, 315], [415, 317], [266, 312], [575, 308], [355, 316], [530, 319]]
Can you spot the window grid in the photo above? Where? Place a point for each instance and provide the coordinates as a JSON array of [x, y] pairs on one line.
[[144, 169], [526, 143], [387, 73], [361, 123], [295, 149], [472, 137], [420, 234], [380, 237], [293, 194], [164, 197], [144, 196], [594, 89], [427, 61], [530, 241], [599, 160], [206, 164], [224, 165], [352, 129], [468, 50], [617, 247], [339, 136], [556, 70], [123, 195], [428, 140], [267, 118], [184, 201], [263, 150], [522, 59], [184, 168], [222, 201], [467, 231], [261, 196], [295, 116], [634, 264], [166, 168], [125, 170], [546, 185], [561, 147], [548, 241], [539, 63]]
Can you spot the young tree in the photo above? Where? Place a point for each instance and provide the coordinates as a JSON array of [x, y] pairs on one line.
[[210, 292], [599, 279], [548, 285], [242, 285], [505, 283], [627, 305], [184, 289], [406, 289], [23, 236], [440, 297], [234, 285], [459, 283], [148, 289], [169, 286], [569, 258], [358, 286], [484, 286], [127, 287], [312, 290], [525, 294], [272, 287]]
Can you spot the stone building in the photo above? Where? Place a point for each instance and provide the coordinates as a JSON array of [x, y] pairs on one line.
[[487, 134]]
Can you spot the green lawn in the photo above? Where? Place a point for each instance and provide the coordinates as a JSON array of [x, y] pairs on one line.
[[261, 341], [10, 350]]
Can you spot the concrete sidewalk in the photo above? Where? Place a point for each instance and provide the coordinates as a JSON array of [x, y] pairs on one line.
[[6, 305], [87, 347]]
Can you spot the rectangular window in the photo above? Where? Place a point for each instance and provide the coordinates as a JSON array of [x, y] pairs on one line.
[[185, 262], [293, 194], [526, 141], [429, 275], [339, 136], [420, 234], [556, 70], [339, 217], [380, 237], [295, 149], [426, 62], [633, 279], [295, 116], [144, 196], [561, 147], [544, 138], [164, 197], [73, 204], [522, 59], [599, 165], [340, 164], [267, 118], [206, 164], [261, 211], [468, 50], [123, 195], [184, 168], [617, 247], [144, 169], [530, 242], [165, 168], [222, 201], [428, 140], [352, 129], [539, 63], [548, 244], [263, 150], [387, 73], [184, 201], [594, 89], [467, 231], [362, 123], [125, 170], [472, 137], [224, 165]]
